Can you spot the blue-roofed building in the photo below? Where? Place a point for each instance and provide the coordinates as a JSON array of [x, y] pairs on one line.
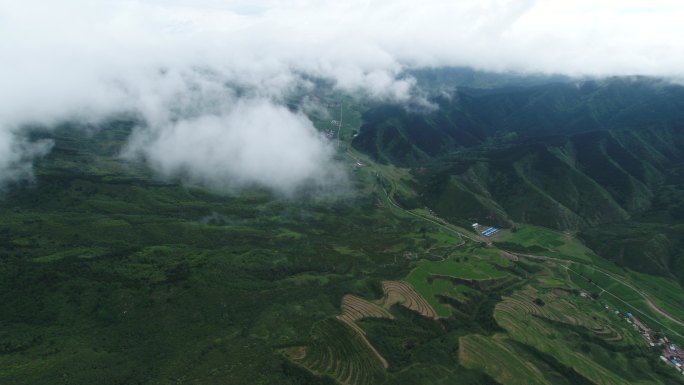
[[490, 231]]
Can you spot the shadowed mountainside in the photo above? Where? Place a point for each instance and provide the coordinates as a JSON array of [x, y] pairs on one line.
[[586, 156]]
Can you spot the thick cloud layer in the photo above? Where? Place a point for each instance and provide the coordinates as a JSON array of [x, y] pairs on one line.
[[253, 142], [177, 62]]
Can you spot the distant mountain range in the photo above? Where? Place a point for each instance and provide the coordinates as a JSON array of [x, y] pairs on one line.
[[604, 157]]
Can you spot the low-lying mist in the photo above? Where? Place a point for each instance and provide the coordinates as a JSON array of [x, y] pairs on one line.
[[253, 142], [209, 79]]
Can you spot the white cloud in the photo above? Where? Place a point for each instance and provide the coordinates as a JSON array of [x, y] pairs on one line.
[[16, 155], [252, 142], [171, 60]]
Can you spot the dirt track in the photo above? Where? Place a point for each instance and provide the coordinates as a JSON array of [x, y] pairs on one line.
[[445, 225], [618, 279]]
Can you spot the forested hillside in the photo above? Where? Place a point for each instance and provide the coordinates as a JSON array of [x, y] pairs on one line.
[[591, 156]]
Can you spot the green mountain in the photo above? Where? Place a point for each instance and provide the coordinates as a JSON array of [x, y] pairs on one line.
[[112, 275], [569, 156]]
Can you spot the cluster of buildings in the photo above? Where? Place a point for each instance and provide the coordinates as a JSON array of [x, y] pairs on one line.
[[488, 232], [671, 354]]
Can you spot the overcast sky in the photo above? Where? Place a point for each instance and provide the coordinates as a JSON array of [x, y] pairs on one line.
[[171, 60]]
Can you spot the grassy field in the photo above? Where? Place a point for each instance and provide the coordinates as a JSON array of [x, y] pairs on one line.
[[110, 275], [664, 292], [623, 283], [494, 356], [625, 298], [579, 335], [433, 278], [546, 242]]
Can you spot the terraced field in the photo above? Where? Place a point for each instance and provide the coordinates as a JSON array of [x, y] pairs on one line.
[[554, 307], [429, 278], [396, 292], [356, 308], [542, 332], [402, 293], [340, 352], [341, 349], [537, 319], [662, 309], [498, 359]]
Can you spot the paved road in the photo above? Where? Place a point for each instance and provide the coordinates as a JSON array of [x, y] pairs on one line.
[[434, 222]]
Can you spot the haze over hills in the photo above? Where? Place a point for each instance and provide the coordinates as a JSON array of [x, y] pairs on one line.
[[180, 67], [268, 192], [110, 268]]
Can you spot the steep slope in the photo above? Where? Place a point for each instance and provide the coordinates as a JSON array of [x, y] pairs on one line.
[[577, 154], [564, 155]]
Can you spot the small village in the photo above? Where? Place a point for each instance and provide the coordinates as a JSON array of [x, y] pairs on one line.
[[671, 354]]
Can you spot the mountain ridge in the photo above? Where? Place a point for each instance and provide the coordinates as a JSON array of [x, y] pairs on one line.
[[585, 156]]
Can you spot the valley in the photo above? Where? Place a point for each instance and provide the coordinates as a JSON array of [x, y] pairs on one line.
[[341, 192], [109, 271]]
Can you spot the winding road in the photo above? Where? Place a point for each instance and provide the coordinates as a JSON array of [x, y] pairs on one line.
[[564, 262]]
